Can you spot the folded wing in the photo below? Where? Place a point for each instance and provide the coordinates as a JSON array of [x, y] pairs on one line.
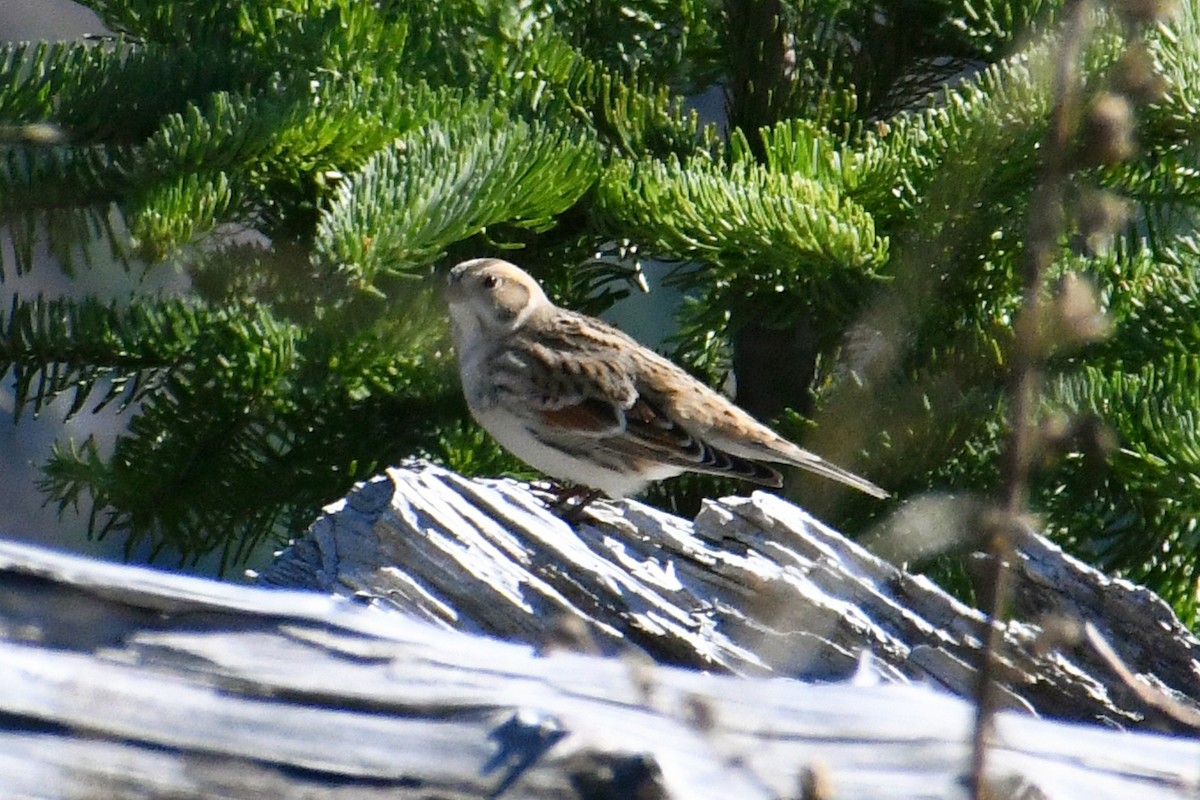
[[582, 397]]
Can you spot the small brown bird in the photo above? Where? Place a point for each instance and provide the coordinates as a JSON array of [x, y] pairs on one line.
[[582, 402]]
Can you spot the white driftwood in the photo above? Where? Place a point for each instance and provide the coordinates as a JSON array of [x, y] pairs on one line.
[[754, 586], [118, 681]]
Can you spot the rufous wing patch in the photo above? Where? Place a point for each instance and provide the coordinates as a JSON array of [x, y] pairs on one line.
[[589, 416]]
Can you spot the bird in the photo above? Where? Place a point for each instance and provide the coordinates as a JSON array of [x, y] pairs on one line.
[[583, 402]]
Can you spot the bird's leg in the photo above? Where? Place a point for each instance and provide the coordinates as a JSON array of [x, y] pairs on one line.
[[565, 494], [573, 513]]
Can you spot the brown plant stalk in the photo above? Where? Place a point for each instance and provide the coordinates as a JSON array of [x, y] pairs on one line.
[[1046, 224]]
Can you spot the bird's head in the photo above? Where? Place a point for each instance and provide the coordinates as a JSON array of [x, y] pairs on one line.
[[490, 297]]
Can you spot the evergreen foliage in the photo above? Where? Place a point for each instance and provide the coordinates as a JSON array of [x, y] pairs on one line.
[[313, 166]]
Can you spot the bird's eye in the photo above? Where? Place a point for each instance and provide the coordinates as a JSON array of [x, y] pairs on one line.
[[490, 281]]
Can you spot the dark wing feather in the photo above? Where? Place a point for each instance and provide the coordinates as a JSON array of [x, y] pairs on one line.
[[647, 425]]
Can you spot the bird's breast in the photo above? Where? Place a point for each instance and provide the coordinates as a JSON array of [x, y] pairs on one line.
[[477, 383]]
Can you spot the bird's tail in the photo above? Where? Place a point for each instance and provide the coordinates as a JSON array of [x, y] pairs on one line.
[[820, 466]]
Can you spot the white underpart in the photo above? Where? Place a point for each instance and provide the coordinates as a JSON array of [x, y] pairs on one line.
[[512, 432]]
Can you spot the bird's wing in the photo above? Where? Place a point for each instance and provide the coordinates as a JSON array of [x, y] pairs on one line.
[[580, 391], [730, 431], [649, 427], [565, 382]]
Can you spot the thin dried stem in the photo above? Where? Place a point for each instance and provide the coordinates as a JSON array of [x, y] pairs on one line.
[[1045, 228]]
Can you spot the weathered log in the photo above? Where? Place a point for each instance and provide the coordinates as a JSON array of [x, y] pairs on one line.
[[120, 681], [753, 586]]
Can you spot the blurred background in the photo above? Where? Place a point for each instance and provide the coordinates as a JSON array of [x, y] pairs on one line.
[[45, 19], [23, 513]]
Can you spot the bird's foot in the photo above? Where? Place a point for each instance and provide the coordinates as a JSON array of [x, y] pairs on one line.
[[573, 513]]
